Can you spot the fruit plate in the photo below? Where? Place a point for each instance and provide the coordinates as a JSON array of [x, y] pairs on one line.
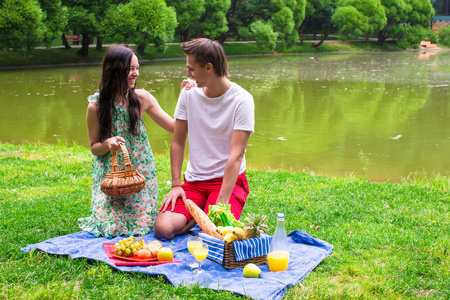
[[132, 258], [121, 261]]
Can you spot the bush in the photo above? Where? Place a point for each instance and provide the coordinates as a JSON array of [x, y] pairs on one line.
[[444, 36]]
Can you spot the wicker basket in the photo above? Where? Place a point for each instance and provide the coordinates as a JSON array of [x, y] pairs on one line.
[[229, 259], [125, 182]]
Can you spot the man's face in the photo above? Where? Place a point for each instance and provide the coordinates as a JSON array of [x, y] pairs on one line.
[[197, 72]]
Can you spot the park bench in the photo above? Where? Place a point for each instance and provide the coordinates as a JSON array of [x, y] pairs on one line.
[[427, 44], [75, 39]]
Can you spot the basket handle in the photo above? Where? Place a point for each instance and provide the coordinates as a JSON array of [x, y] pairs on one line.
[[126, 160]]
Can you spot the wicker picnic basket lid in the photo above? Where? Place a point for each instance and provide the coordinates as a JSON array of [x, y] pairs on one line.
[[124, 182]]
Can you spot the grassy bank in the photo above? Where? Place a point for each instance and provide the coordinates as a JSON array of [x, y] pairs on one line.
[[56, 56], [391, 240]]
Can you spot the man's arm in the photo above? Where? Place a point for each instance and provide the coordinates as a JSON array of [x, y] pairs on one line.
[[176, 162], [239, 142]]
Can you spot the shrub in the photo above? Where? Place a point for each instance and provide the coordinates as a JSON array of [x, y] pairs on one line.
[[444, 36]]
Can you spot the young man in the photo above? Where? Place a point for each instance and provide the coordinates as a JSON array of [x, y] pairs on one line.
[[219, 117]]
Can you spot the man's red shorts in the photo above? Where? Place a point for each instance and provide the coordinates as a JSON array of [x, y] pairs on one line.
[[205, 193]]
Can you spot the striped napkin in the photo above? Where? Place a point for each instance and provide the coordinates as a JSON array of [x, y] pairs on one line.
[[252, 247], [243, 249], [215, 247]]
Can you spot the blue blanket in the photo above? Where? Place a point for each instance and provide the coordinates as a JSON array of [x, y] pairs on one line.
[[306, 253]]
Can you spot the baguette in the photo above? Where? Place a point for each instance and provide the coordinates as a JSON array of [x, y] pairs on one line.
[[202, 219]]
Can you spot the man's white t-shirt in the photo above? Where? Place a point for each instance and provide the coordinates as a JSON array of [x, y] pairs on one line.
[[211, 122]]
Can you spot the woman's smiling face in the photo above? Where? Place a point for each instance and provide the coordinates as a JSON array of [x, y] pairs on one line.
[[134, 72]]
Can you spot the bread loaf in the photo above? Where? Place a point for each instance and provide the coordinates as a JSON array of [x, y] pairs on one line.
[[202, 219]]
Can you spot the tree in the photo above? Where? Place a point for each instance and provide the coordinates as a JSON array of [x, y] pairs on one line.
[[21, 25], [322, 19], [55, 19], [369, 15], [264, 35], [350, 22], [141, 22], [396, 16], [421, 13], [188, 12], [213, 22]]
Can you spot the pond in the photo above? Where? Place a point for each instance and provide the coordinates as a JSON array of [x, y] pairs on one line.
[[385, 115]]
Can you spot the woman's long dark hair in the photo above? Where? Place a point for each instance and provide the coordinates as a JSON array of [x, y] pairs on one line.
[[114, 83]]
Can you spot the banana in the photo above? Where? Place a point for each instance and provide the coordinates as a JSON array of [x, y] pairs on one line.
[[229, 238], [239, 233], [226, 230], [219, 230]]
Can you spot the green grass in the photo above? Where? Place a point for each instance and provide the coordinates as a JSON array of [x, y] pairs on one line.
[[391, 239], [55, 56]]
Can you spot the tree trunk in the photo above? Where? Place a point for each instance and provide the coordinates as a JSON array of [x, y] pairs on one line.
[[84, 50], [315, 45], [99, 44], [224, 36], [140, 48], [300, 31], [381, 37], [186, 36], [367, 38], [65, 42]]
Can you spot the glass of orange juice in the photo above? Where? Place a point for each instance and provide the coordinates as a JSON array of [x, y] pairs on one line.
[[194, 242], [278, 260], [200, 253]]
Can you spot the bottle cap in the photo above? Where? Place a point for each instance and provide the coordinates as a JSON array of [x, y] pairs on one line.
[[280, 215]]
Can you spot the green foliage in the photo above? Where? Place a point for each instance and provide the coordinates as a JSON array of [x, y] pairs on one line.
[[283, 21], [214, 22], [444, 36], [188, 11], [21, 25], [55, 21], [264, 35], [120, 24], [361, 16], [415, 34], [421, 13], [350, 22], [141, 22]]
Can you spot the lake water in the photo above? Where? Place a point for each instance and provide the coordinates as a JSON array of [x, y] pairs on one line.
[[333, 114]]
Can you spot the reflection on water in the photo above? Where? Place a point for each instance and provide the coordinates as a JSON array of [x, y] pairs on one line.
[[320, 112]]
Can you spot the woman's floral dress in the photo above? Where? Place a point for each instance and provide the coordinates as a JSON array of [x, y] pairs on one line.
[[126, 215]]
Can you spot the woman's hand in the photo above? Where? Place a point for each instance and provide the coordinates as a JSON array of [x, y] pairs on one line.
[[188, 84], [113, 143]]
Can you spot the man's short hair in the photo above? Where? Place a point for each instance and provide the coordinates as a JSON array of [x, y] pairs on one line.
[[207, 51]]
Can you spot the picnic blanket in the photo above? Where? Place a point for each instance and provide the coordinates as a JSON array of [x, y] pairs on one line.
[[306, 253]]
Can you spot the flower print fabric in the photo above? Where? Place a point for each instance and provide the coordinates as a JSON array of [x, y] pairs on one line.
[[126, 215]]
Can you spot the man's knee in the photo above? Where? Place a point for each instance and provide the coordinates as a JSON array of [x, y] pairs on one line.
[[168, 225]]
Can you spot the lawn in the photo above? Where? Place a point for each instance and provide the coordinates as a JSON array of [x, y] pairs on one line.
[[391, 240]]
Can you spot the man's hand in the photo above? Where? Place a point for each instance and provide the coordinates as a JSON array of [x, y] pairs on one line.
[[171, 198]]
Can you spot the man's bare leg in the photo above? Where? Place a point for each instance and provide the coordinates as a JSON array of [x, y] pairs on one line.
[[169, 224]]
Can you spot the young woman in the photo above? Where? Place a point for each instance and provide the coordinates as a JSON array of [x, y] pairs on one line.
[[115, 115]]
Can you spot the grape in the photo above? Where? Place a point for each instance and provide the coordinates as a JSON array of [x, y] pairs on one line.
[[128, 246]]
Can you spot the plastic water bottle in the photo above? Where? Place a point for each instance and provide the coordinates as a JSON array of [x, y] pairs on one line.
[[278, 257]]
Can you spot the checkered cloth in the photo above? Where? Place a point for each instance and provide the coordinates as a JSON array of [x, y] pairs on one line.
[[243, 249]]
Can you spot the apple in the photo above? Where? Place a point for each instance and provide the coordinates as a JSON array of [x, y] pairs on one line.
[[165, 254]]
